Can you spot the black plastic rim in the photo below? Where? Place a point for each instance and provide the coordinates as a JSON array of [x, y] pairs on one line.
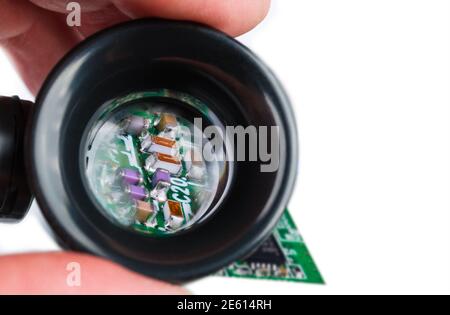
[[15, 193], [142, 55]]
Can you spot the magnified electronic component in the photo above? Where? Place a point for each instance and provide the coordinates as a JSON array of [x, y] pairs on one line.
[[130, 176], [158, 144], [144, 210], [167, 122], [173, 214]]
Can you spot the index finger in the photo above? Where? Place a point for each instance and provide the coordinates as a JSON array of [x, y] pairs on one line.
[[234, 17]]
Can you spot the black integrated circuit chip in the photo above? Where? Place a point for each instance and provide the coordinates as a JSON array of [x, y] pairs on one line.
[[268, 253]]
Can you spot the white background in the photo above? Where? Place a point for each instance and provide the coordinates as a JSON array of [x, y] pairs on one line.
[[370, 83]]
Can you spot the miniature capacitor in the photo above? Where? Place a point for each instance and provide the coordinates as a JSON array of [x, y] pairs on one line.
[[137, 192], [143, 211], [174, 211], [159, 145], [159, 160], [160, 175], [160, 184], [167, 121], [130, 176]]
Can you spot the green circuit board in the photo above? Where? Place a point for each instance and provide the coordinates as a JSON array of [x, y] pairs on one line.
[[284, 256]]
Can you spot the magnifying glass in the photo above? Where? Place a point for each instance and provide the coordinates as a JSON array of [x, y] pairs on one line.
[[167, 147]]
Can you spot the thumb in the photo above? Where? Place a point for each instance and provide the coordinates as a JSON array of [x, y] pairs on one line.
[[73, 273]]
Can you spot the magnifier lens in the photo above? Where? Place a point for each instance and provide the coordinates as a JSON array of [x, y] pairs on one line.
[[145, 164]]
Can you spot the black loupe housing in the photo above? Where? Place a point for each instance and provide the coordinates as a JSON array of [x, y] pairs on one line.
[[120, 98]]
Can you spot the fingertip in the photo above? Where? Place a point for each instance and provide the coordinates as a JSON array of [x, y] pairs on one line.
[[234, 17], [240, 18]]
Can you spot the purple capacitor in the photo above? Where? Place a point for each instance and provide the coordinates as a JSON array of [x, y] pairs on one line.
[[136, 125], [137, 192], [160, 175], [131, 176]]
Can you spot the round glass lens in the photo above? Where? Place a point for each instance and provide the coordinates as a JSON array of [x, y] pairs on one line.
[[145, 164]]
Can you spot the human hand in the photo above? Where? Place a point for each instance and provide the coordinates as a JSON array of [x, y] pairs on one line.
[[35, 35]]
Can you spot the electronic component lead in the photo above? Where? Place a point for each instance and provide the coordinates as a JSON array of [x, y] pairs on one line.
[[194, 164]]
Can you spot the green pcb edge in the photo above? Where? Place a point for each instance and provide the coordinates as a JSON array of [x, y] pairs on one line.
[[284, 256]]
